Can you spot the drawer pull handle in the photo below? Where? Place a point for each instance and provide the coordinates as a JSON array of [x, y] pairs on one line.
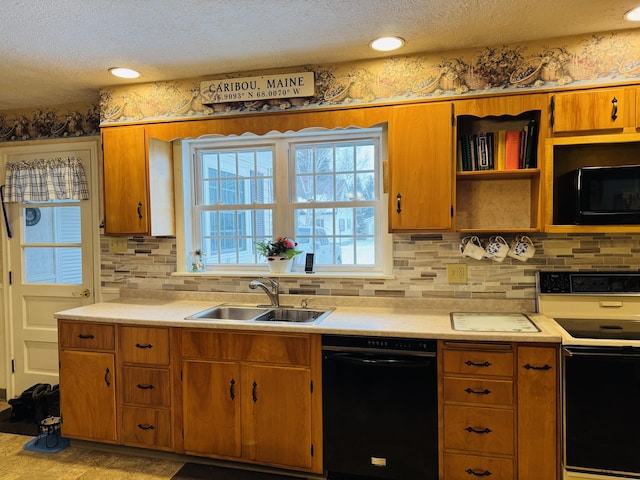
[[254, 392], [477, 430], [534, 367], [144, 387], [145, 427], [146, 345], [486, 473], [232, 389], [474, 364], [86, 337], [614, 110], [486, 391]]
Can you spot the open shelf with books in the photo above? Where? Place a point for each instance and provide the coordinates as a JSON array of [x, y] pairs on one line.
[[497, 143], [498, 179]]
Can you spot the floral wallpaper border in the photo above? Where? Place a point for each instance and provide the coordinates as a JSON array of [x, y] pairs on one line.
[[47, 123], [572, 61]]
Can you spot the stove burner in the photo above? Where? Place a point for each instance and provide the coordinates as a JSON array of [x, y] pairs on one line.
[[601, 329]]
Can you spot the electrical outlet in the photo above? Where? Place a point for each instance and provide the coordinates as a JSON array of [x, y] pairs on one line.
[[118, 244], [457, 273]]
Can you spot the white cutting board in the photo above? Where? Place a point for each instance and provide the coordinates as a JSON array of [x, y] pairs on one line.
[[492, 322]]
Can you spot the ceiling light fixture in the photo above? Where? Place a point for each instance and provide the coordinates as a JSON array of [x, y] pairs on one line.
[[124, 72], [386, 44], [633, 15]]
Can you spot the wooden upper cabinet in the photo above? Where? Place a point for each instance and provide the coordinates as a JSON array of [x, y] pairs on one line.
[[421, 167], [602, 110], [138, 183]]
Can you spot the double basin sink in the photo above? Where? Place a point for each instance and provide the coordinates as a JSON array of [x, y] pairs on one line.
[[261, 314]]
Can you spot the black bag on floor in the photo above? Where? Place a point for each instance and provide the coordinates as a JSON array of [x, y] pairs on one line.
[[23, 407], [46, 400]]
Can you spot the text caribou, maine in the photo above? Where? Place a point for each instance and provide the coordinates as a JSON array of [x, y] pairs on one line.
[[264, 87]]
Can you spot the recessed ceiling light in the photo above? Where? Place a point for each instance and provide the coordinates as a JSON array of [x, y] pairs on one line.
[[124, 72], [386, 44], [633, 15]]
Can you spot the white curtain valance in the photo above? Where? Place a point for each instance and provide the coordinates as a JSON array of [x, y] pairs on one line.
[[43, 180]]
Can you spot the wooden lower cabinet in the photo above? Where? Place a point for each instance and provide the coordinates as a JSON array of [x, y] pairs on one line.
[[253, 397], [499, 411], [211, 395], [459, 467], [276, 412], [145, 394], [88, 381], [88, 395]]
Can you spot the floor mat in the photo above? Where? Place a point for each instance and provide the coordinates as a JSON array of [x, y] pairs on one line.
[[18, 428], [195, 471]]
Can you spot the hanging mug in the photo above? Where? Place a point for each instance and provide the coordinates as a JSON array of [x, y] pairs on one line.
[[497, 248], [522, 249], [471, 247]]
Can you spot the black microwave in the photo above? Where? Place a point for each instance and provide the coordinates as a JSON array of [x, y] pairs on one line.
[[598, 196]]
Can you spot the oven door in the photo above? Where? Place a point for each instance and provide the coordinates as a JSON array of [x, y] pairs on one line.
[[602, 410]]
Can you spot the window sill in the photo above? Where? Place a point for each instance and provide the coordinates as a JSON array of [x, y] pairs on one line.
[[264, 273]]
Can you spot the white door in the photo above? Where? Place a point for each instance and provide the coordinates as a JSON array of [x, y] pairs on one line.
[[50, 262]]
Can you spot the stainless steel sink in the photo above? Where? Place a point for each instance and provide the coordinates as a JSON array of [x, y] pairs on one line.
[[302, 315], [229, 312], [261, 314]]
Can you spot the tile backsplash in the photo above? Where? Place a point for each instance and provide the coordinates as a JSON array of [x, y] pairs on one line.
[[420, 268]]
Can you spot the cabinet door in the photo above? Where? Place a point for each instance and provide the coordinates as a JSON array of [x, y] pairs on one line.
[[87, 395], [125, 180], [421, 167], [211, 408], [277, 415], [538, 413], [602, 109]]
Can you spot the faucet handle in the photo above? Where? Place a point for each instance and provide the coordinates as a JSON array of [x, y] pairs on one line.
[[273, 283], [304, 303]]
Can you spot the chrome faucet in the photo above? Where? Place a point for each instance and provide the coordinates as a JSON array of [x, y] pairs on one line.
[[273, 294]]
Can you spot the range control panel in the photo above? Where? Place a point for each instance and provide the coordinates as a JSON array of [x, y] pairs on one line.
[[588, 283]]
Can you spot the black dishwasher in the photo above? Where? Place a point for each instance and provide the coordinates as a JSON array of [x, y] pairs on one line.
[[380, 408]]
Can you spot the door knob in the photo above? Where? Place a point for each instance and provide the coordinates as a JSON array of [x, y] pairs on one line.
[[85, 293]]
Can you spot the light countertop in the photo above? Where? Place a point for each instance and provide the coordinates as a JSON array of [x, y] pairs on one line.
[[391, 321]]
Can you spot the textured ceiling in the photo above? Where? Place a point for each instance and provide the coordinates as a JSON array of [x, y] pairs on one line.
[[58, 51]]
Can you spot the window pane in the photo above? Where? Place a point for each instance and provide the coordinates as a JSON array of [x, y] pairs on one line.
[[328, 173], [229, 236], [237, 177], [60, 224], [53, 265]]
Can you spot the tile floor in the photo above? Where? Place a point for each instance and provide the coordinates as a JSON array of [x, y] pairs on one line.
[[76, 463], [80, 461]]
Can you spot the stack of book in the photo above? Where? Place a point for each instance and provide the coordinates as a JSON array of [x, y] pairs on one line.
[[499, 150]]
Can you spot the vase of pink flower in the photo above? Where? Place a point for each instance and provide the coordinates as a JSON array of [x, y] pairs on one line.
[[279, 253]]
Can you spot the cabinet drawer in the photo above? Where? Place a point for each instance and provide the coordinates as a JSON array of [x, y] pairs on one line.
[[478, 362], [478, 390], [477, 429], [146, 426], [250, 347], [144, 345], [146, 386], [87, 336], [463, 467]]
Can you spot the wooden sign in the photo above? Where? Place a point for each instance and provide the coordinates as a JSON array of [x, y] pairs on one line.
[[264, 87]]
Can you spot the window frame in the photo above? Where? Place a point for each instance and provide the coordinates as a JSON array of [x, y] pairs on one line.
[[283, 173]]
